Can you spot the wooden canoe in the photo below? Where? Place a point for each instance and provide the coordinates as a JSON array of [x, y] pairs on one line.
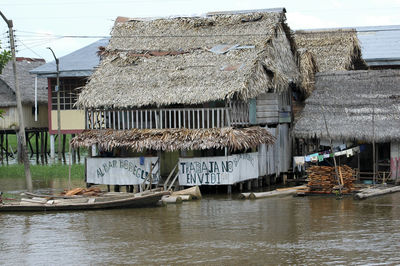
[[112, 201]]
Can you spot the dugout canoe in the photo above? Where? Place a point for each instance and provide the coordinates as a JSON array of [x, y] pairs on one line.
[[106, 201]]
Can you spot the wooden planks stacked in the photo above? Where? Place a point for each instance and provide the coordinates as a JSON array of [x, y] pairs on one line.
[[322, 179], [92, 191]]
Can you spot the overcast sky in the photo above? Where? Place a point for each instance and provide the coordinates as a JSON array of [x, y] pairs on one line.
[[40, 24]]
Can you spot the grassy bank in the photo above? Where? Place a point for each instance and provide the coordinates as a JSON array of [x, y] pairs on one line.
[[43, 171]]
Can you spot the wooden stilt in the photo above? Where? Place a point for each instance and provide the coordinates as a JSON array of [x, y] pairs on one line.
[[42, 150], [7, 148], [28, 139], [249, 185], [45, 146], [73, 151], [79, 155], [241, 186], [37, 146], [63, 147], [229, 189], [1, 147]]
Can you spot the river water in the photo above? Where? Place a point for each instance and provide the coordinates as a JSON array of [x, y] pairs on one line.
[[217, 230]]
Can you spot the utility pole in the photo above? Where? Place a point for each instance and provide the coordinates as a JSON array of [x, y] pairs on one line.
[[21, 134], [58, 103]]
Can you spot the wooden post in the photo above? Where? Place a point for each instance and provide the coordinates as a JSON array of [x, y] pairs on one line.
[[1, 147], [331, 145], [249, 185], [19, 106], [7, 148], [45, 146], [229, 189], [241, 186], [42, 150], [373, 146], [37, 146], [73, 151], [63, 147]]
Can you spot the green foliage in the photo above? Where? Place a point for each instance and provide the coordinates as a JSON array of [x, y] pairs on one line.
[[1, 113], [5, 56]]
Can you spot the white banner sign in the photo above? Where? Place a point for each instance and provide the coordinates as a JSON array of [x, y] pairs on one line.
[[121, 171], [223, 170]]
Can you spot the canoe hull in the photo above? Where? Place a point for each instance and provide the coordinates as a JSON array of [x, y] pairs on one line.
[[147, 200]]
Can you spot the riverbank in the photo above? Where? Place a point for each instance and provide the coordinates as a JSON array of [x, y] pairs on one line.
[[43, 171]]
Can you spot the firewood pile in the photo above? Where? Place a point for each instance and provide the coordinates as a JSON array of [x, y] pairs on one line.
[[322, 179], [92, 191]]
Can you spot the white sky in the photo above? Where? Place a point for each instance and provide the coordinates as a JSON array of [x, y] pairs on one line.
[[37, 23]]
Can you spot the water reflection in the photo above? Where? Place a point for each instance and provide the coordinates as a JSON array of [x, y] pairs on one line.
[[215, 230]]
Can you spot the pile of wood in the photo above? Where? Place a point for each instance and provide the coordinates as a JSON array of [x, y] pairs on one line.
[[322, 179], [92, 191]]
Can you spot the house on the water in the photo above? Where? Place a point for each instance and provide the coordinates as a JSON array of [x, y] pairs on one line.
[[74, 69], [357, 108], [207, 96], [322, 51], [34, 104]]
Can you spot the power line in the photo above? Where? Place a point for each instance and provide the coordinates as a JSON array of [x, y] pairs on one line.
[[298, 32]]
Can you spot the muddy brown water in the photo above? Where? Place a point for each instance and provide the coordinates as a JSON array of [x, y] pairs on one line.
[[217, 230]]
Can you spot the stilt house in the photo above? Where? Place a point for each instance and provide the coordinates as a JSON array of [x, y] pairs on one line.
[[199, 93], [33, 97], [322, 51], [74, 69]]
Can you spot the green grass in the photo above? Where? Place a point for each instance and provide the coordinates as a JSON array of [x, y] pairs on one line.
[[12, 142], [43, 171]]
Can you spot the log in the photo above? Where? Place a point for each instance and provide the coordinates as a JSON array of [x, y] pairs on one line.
[[274, 193], [193, 191], [171, 199], [244, 195], [372, 192], [186, 197]]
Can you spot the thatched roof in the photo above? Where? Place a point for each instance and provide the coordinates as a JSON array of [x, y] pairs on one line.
[[351, 101], [330, 50], [175, 139], [26, 83], [192, 60]]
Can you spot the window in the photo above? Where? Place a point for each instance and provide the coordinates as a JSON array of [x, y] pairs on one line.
[[69, 90]]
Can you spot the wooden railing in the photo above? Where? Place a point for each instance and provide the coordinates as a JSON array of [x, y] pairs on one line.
[[192, 118]]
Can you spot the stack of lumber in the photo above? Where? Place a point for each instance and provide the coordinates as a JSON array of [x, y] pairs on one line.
[[92, 191], [322, 179]]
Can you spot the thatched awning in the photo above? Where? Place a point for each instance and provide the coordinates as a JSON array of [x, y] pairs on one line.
[[175, 139], [327, 50], [192, 60], [358, 105]]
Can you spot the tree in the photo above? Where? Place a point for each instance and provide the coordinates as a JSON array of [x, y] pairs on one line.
[[5, 56]]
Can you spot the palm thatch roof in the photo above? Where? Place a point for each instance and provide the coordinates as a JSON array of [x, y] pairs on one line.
[[192, 60], [175, 139], [358, 105], [328, 50], [26, 83]]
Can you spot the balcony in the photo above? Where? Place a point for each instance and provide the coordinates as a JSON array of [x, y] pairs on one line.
[[237, 114]]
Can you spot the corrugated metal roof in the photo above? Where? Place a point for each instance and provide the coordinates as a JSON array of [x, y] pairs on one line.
[[380, 44], [76, 64]]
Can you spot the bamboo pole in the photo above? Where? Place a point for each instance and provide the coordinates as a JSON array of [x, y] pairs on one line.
[[331, 145]]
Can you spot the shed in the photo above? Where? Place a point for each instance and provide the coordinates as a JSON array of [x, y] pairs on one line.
[[359, 107]]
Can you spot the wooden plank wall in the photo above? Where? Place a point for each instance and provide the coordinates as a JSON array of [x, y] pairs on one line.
[[267, 109]]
